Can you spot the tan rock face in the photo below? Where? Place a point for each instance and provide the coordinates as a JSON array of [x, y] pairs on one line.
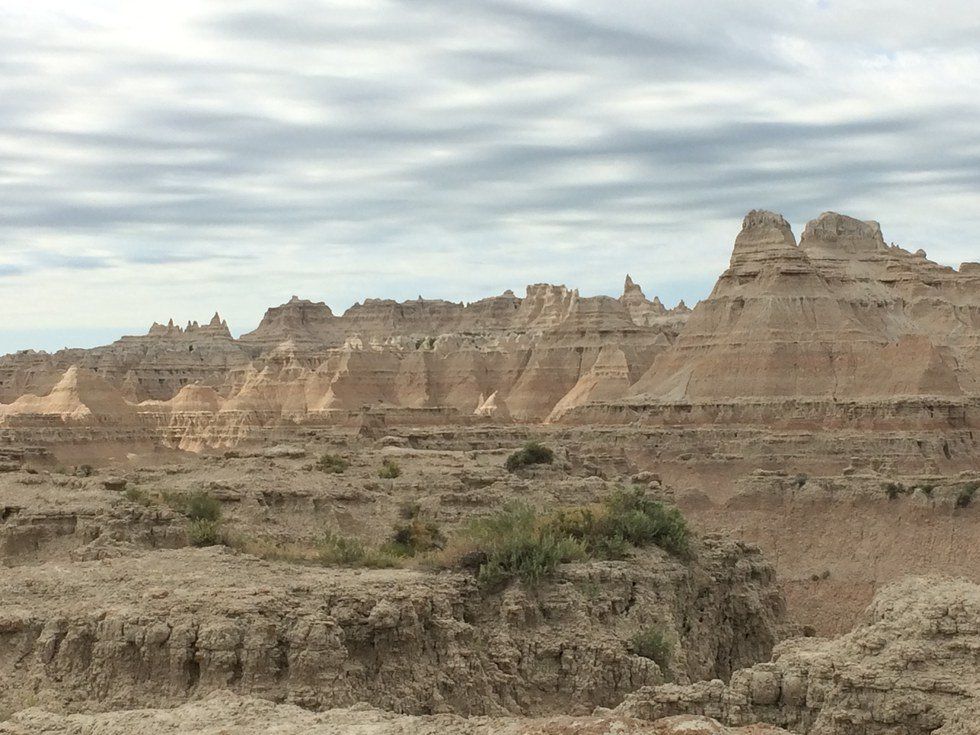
[[164, 626], [840, 326], [249, 716], [909, 667]]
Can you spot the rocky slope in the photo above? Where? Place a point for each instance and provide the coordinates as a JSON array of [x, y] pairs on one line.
[[224, 712], [164, 626], [910, 667]]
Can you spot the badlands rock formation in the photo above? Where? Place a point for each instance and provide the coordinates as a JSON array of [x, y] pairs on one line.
[[838, 327], [226, 713], [163, 626], [911, 666]]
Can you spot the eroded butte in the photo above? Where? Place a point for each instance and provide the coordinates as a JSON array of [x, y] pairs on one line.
[[544, 513]]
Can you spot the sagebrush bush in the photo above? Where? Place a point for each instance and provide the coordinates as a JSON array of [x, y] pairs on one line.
[[515, 544], [531, 453], [332, 463], [136, 495], [389, 470], [204, 532], [966, 494], [197, 506], [650, 642], [626, 518], [415, 537], [894, 489], [336, 550]]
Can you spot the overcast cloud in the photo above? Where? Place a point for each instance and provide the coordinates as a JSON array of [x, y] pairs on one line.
[[168, 159]]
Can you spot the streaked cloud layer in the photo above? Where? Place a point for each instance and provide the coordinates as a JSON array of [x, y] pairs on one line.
[[168, 159]]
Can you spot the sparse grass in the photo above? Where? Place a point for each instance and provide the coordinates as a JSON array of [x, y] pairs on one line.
[[518, 545], [624, 519], [204, 532], [336, 550], [136, 495], [203, 513], [531, 453], [965, 496], [650, 642], [516, 542], [417, 536], [332, 549], [332, 463], [389, 470], [197, 506]]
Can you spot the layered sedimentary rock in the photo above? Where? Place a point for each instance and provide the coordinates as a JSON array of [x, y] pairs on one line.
[[909, 667], [841, 316], [838, 330], [164, 626]]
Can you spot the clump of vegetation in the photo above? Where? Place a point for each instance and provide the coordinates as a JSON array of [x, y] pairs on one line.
[[531, 453], [136, 495], [894, 489], [624, 519], [204, 532], [202, 506], [516, 544], [389, 470], [926, 490], [332, 463], [650, 642], [203, 513], [84, 470], [966, 494], [416, 536], [800, 480], [336, 550]]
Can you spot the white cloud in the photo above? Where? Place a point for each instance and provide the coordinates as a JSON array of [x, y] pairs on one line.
[[163, 160]]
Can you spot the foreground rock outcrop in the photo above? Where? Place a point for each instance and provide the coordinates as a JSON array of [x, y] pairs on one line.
[[224, 712], [912, 666], [161, 627]]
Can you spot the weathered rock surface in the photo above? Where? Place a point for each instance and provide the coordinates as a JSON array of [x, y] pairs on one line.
[[165, 626], [838, 329], [224, 712], [912, 666]]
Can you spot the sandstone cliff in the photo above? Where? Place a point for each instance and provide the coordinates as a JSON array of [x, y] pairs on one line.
[[836, 327]]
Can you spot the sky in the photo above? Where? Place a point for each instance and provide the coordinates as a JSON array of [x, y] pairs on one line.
[[168, 159]]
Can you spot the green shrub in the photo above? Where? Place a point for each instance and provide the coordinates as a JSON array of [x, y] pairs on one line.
[[414, 537], [136, 495], [204, 532], [531, 453], [626, 518], [389, 470], [894, 489], [201, 506], [332, 463], [336, 550], [651, 643], [516, 545], [966, 495]]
